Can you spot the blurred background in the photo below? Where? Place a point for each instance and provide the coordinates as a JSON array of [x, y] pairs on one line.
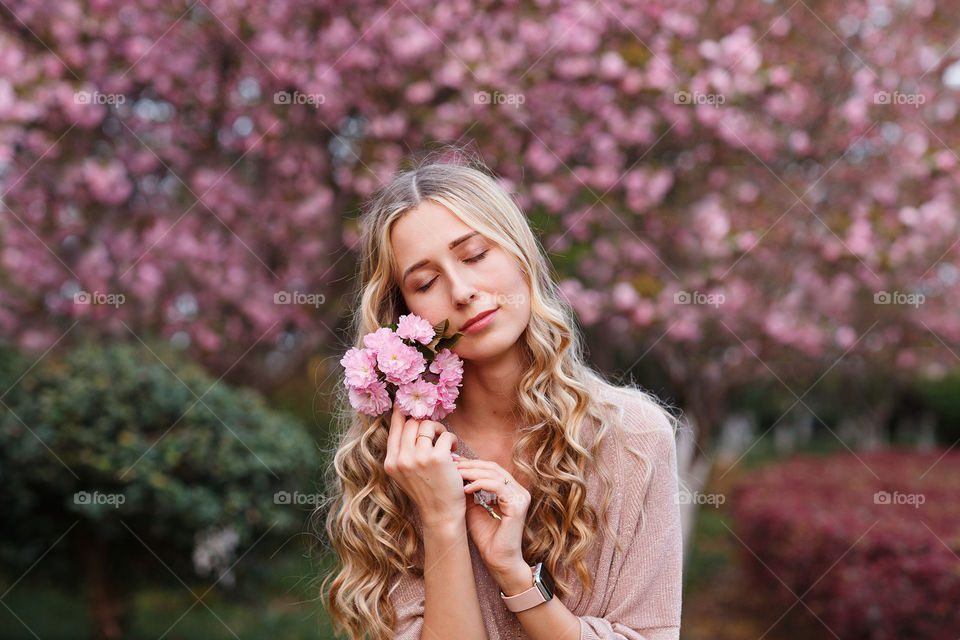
[[752, 206]]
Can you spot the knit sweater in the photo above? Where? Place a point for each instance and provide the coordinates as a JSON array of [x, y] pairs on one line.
[[636, 592]]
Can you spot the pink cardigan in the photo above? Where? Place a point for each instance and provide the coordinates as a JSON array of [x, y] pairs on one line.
[[636, 593]]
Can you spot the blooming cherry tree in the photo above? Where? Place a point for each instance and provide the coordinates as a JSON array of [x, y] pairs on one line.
[[732, 193]]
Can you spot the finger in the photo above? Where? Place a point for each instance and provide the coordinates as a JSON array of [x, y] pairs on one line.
[[427, 428], [395, 431], [489, 484], [491, 469], [411, 427], [498, 480], [442, 429], [497, 477], [473, 464], [475, 473], [424, 446], [482, 464], [445, 441]]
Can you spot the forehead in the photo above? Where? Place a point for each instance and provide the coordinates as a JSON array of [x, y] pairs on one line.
[[424, 232]]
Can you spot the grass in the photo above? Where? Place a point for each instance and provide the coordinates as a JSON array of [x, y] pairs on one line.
[[710, 555], [289, 610]]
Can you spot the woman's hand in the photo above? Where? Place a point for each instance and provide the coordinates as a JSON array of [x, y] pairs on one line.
[[424, 470], [498, 541]]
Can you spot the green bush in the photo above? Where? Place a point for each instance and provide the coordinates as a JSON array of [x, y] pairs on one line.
[[138, 455], [943, 398]]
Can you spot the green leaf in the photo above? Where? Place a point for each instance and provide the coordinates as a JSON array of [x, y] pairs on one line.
[[438, 329], [448, 342]]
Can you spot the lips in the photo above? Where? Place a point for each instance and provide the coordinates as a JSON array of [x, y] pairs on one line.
[[479, 316]]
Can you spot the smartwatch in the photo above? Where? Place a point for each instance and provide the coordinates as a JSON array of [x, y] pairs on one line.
[[540, 592]]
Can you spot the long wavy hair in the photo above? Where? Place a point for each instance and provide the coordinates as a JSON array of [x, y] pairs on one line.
[[367, 515]]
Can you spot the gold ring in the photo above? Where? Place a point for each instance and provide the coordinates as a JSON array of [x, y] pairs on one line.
[[423, 435]]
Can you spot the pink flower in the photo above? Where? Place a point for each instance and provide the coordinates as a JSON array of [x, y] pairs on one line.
[[360, 365], [380, 338], [446, 395], [439, 412], [108, 182], [372, 400], [417, 399], [400, 363], [449, 366], [413, 327]]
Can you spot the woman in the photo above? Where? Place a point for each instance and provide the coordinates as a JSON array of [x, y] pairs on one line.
[[560, 447]]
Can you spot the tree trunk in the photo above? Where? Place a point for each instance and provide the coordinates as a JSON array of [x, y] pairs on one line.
[[107, 605], [693, 471]]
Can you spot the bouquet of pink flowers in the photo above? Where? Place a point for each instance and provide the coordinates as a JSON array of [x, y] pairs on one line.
[[408, 363]]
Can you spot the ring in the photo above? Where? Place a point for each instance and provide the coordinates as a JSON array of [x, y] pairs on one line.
[[505, 481], [423, 435]]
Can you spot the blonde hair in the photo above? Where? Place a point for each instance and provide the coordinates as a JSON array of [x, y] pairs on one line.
[[367, 526]]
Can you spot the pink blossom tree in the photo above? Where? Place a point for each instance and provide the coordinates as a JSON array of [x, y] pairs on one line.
[[730, 190]]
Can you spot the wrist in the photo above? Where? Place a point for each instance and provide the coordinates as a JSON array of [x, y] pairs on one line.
[[515, 580], [445, 528]]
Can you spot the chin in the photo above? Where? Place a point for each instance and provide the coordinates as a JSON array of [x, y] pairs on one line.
[[487, 347]]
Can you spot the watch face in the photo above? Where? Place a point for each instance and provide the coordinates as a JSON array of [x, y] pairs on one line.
[[547, 580]]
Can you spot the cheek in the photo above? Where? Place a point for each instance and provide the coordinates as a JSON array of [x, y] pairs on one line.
[[513, 281], [513, 287], [507, 273], [428, 310]]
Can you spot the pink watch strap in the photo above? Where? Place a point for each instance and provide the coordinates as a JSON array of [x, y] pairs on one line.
[[525, 599]]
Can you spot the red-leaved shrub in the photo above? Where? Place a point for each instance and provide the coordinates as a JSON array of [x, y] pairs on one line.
[[869, 541]]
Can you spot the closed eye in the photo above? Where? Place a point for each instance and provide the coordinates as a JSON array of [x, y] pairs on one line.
[[476, 258]]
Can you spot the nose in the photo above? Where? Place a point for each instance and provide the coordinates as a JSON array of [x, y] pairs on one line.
[[462, 288]]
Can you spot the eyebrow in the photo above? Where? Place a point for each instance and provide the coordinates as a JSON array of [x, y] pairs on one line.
[[453, 244]]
